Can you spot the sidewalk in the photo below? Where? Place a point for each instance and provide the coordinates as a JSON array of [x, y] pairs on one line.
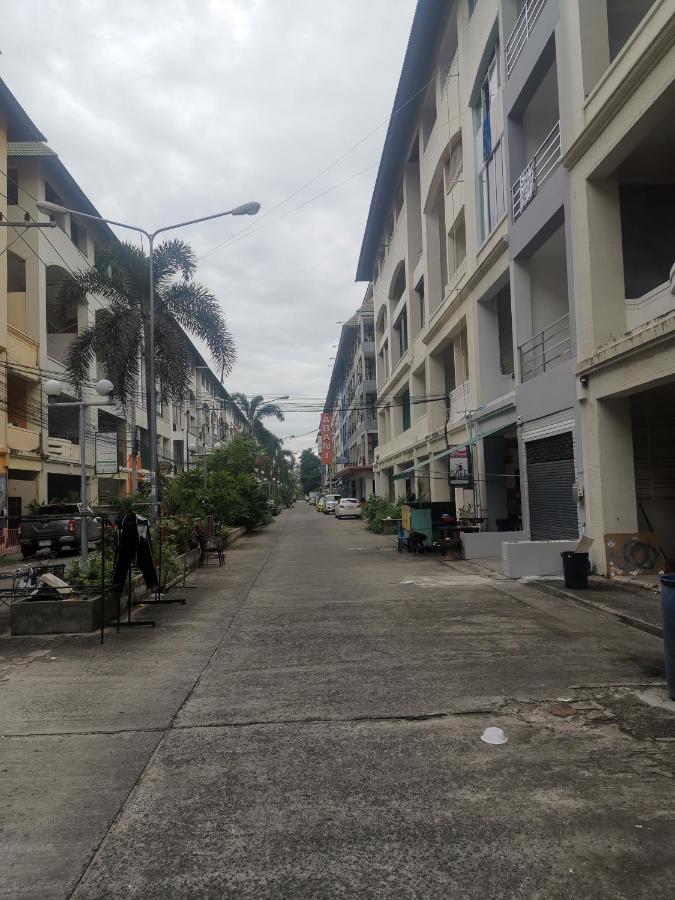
[[632, 602]]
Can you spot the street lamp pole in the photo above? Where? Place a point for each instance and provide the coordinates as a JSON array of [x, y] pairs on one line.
[[246, 209]]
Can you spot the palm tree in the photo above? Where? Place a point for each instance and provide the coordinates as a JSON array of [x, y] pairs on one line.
[[254, 411], [120, 330]]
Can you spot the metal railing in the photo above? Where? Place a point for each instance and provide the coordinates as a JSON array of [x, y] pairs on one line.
[[521, 32], [546, 349], [540, 167]]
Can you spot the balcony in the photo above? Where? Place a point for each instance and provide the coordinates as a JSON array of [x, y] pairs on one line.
[[459, 402], [61, 450], [521, 32], [22, 440], [542, 165], [546, 349], [658, 302], [21, 348]]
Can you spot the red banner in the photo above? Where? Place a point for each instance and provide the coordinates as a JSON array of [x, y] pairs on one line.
[[326, 439]]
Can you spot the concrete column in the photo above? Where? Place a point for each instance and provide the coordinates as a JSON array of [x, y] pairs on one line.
[[594, 35], [598, 264], [399, 484], [521, 309], [611, 504], [440, 489]]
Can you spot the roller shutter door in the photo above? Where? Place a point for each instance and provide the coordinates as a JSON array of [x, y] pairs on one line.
[[550, 477]]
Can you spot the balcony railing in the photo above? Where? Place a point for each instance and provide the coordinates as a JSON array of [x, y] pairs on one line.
[[540, 167], [459, 402], [521, 32], [546, 349]]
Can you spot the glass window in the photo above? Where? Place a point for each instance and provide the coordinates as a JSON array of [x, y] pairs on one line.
[[405, 409]]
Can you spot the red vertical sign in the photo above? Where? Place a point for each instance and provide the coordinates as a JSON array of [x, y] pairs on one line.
[[326, 439]]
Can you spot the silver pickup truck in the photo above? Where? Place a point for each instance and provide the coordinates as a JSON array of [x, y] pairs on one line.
[[57, 527]]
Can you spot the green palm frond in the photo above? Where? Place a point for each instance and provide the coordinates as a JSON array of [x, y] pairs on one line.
[[198, 311], [172, 359], [173, 258]]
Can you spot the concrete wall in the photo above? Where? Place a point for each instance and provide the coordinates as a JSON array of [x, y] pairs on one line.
[[488, 544], [534, 558]]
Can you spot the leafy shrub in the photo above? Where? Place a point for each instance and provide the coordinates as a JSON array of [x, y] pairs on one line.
[[376, 509]]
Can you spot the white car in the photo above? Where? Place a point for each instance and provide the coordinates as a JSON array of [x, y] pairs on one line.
[[348, 506], [330, 501]]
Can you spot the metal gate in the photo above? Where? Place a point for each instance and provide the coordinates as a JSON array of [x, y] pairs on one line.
[[550, 480]]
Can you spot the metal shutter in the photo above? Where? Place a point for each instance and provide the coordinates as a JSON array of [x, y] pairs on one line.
[[550, 476]]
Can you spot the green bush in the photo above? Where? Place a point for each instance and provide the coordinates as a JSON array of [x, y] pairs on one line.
[[90, 573], [228, 490], [376, 509]]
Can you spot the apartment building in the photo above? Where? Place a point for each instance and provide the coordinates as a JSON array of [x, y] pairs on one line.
[[520, 237], [352, 399], [621, 163], [42, 456], [19, 441], [436, 251]]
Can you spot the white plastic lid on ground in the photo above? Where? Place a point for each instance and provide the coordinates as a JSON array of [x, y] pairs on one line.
[[493, 735]]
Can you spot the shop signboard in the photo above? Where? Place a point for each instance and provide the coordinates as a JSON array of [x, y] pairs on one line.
[[460, 467], [326, 439]]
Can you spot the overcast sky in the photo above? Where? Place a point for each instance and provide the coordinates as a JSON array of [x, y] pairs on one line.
[[169, 110]]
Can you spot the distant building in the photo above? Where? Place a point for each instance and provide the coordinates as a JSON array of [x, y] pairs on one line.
[[352, 400]]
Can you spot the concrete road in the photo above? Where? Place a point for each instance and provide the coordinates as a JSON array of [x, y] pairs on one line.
[[309, 726]]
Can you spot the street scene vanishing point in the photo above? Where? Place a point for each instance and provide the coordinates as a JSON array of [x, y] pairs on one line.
[[337, 450]]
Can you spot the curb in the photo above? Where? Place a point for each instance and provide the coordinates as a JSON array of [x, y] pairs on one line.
[[625, 618]]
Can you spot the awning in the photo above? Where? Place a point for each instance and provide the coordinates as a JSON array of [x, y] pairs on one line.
[[452, 449], [427, 462]]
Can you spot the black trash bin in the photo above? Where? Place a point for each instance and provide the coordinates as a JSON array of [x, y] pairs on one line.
[[575, 569]]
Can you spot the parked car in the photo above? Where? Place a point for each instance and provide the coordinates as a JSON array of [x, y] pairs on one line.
[[319, 504], [330, 501], [348, 506], [57, 526]]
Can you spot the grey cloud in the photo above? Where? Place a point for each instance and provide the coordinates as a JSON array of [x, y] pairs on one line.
[[168, 110]]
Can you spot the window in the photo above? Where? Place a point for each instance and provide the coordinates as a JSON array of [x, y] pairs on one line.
[[429, 114], [370, 370], [12, 187], [401, 327], [385, 358], [419, 290], [453, 167], [405, 409], [381, 321], [439, 220], [489, 151], [457, 244], [464, 353], [449, 367]]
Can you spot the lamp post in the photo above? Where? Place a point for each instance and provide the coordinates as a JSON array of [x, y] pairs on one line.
[[104, 388], [246, 209], [216, 446]]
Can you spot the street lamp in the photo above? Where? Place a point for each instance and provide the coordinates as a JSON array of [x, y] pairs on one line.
[[216, 446], [104, 388], [246, 209]]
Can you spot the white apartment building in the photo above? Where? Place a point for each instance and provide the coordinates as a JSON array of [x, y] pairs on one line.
[[520, 235], [352, 402], [43, 441], [436, 251], [621, 162]]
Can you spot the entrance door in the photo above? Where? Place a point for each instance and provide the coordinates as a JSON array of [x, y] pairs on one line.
[[550, 480], [13, 512]]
